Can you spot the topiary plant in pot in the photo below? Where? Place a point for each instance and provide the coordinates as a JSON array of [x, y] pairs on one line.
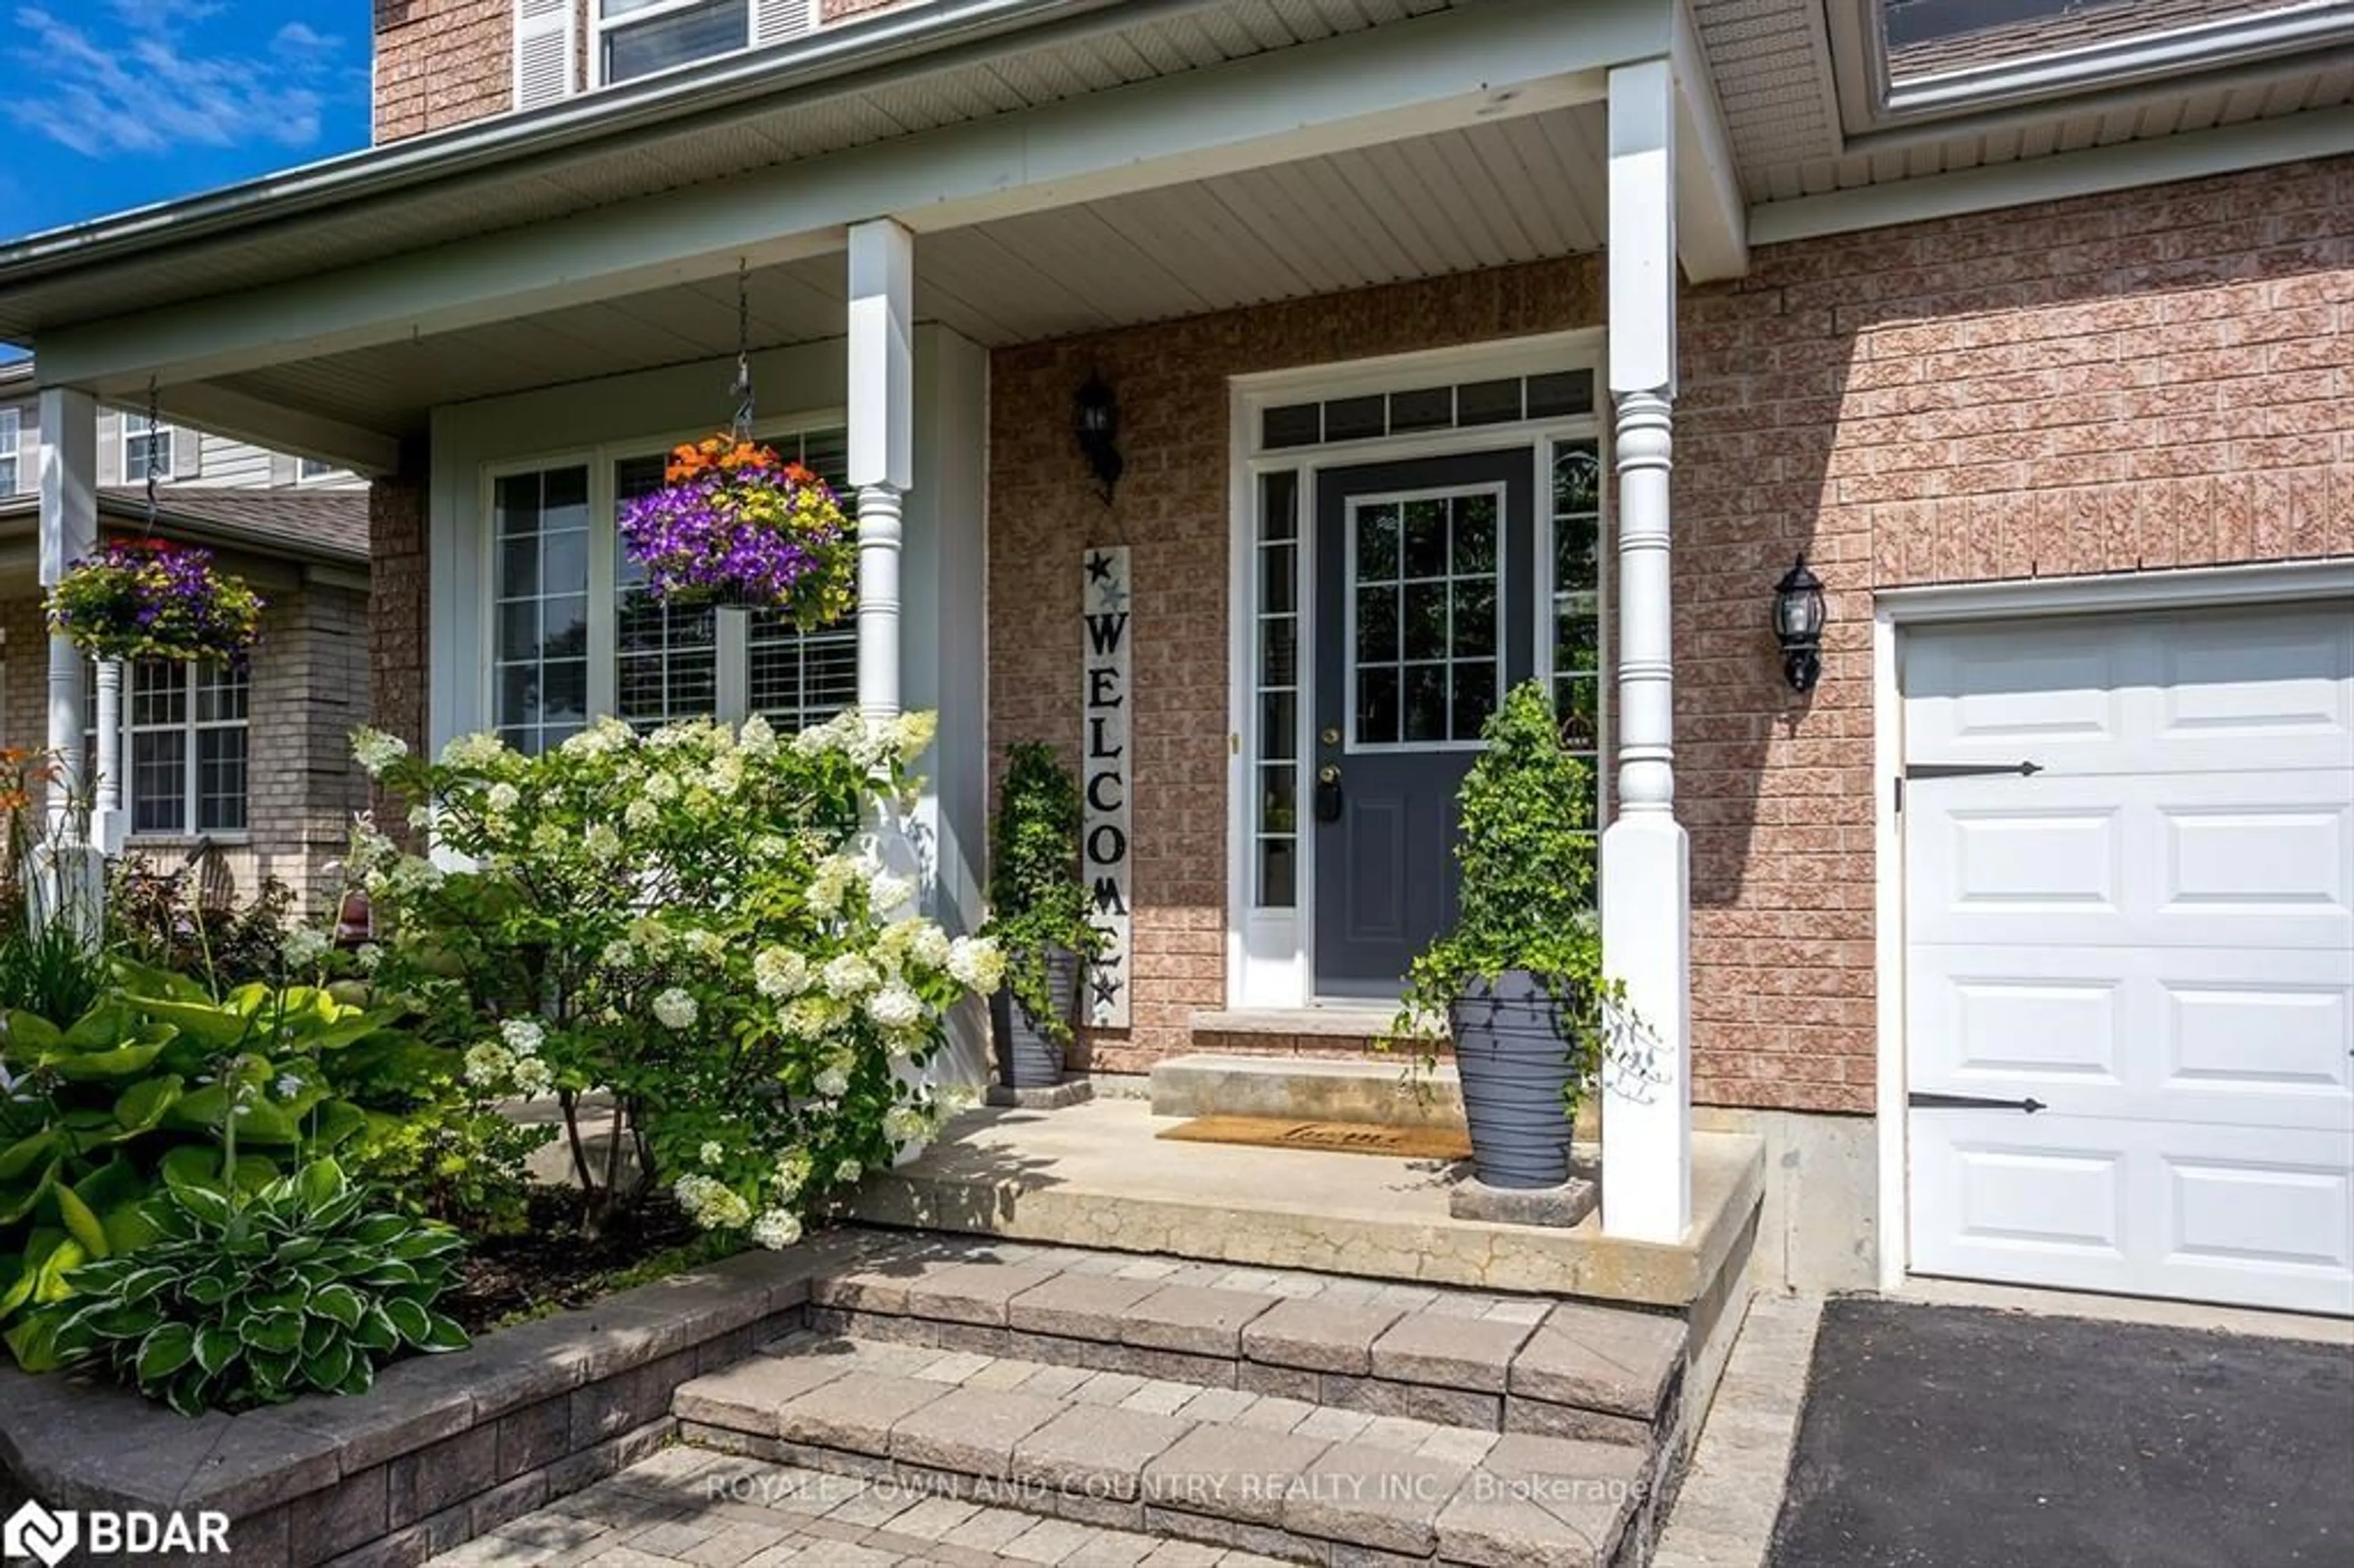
[[1517, 982], [1038, 913]]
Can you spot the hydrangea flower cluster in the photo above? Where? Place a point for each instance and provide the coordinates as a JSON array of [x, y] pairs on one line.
[[149, 599], [734, 521], [701, 923]]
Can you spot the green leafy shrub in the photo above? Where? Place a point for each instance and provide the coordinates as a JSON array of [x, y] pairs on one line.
[[48, 971], [164, 920], [1037, 901], [1526, 846], [237, 1302], [694, 923], [157, 1080]]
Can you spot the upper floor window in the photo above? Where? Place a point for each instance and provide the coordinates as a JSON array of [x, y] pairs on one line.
[[144, 442], [12, 429], [309, 469], [639, 37]]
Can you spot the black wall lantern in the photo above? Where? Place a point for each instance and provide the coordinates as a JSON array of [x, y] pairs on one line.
[[1799, 623], [1095, 420]]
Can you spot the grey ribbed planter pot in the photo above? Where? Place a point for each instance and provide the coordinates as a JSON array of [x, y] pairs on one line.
[[1514, 1067], [1027, 1057]]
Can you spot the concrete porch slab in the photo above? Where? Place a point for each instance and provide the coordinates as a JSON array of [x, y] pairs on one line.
[[1095, 1175]]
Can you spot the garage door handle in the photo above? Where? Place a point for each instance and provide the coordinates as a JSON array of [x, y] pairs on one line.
[[1970, 1102], [1960, 771]]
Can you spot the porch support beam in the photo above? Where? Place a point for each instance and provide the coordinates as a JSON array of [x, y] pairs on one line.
[[1711, 219], [282, 428], [882, 443], [1646, 857], [1443, 71]]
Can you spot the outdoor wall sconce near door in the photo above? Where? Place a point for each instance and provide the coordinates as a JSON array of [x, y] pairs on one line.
[[1799, 623], [1096, 422]]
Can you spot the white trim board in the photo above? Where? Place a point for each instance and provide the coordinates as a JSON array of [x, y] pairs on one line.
[[2317, 134], [1896, 610]]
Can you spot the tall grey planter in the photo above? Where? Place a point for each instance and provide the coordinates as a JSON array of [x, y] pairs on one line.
[[1514, 1067], [1027, 1057]]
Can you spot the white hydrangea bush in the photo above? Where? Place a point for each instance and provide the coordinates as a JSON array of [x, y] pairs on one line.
[[693, 922]]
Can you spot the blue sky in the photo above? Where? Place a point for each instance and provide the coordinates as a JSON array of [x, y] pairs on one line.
[[109, 104]]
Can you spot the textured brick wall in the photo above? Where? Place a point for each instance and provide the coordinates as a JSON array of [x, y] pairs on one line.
[[2155, 379], [2126, 382], [309, 688], [441, 63], [1171, 509], [398, 615]]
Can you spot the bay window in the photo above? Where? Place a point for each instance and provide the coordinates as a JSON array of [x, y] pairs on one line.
[[563, 650]]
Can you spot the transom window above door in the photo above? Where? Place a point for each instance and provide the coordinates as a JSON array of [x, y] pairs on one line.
[[563, 652]]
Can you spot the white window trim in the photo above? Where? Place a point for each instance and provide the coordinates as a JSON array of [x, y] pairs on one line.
[[191, 776], [1270, 952], [162, 430], [599, 26], [12, 431], [604, 544]]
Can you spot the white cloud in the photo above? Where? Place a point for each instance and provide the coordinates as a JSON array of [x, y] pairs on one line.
[[140, 83]]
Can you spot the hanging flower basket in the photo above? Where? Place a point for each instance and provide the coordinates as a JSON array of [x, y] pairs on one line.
[[734, 524], [147, 598]]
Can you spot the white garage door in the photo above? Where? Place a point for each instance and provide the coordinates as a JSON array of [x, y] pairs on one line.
[[2130, 972]]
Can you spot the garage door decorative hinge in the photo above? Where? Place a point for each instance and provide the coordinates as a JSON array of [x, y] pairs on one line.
[[1960, 771], [1923, 1101]]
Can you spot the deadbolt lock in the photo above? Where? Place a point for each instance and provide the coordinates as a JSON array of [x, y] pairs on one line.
[[1332, 736]]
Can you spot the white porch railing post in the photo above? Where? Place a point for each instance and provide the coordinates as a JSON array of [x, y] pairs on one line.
[[71, 881], [106, 823], [1646, 856], [882, 443]]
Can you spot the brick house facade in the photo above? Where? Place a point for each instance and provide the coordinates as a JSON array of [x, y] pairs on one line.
[[2105, 384]]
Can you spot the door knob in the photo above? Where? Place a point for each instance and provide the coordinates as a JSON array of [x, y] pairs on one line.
[[1332, 736], [1328, 794]]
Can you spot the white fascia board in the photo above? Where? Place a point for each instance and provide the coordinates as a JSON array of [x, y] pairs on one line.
[[1712, 218], [1444, 70], [276, 426], [2317, 134]]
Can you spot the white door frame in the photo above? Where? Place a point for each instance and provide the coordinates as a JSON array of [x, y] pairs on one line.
[[1898, 610], [1270, 954]]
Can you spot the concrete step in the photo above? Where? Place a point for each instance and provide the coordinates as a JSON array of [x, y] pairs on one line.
[[1288, 1478], [1307, 1088]]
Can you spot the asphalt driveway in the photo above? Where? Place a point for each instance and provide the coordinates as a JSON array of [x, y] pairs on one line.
[[1959, 1437]]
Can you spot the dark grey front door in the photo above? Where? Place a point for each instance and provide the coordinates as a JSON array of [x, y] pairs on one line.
[[1425, 610]]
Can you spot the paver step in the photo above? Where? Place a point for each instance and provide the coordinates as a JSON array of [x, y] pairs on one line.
[[1464, 1358], [1305, 1088], [1222, 1466]]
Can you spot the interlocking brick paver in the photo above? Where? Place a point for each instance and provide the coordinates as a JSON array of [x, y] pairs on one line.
[[1193, 1318], [1160, 1397], [1318, 1335], [1448, 1352], [1095, 1451], [1049, 1541]]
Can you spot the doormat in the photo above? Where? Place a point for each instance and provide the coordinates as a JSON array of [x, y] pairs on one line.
[[1330, 1137]]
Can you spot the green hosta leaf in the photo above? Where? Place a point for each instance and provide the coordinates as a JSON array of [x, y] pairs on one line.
[[202, 1022], [26, 1153], [339, 1211], [202, 1205], [298, 1249], [328, 1370], [104, 1066], [80, 1223], [391, 1271], [422, 1244], [138, 1285], [14, 1207], [165, 1350], [130, 1226], [275, 1333], [31, 1037], [33, 1343], [339, 1304], [277, 1301], [103, 1027], [442, 1334], [414, 1322], [207, 1290], [187, 1393], [320, 1183], [336, 1123], [216, 1347], [29, 1262], [361, 1379], [143, 1105], [377, 1230], [193, 1165], [375, 1331], [317, 1335], [118, 1322]]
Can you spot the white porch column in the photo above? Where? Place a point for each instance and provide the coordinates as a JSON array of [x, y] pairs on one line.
[[882, 443], [106, 817], [71, 884], [1646, 857]]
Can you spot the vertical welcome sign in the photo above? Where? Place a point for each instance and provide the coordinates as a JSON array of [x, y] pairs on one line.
[[1103, 756]]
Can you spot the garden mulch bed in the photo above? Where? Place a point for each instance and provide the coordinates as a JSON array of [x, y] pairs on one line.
[[552, 1266]]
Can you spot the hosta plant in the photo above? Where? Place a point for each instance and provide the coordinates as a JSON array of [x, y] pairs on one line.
[[235, 1303]]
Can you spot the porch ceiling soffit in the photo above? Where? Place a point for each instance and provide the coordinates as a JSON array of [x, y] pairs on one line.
[[1711, 217], [1438, 71]]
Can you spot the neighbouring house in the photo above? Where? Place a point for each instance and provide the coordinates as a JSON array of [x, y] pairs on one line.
[[1442, 346], [238, 773]]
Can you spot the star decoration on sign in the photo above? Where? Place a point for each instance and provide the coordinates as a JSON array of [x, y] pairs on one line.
[[1100, 568]]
